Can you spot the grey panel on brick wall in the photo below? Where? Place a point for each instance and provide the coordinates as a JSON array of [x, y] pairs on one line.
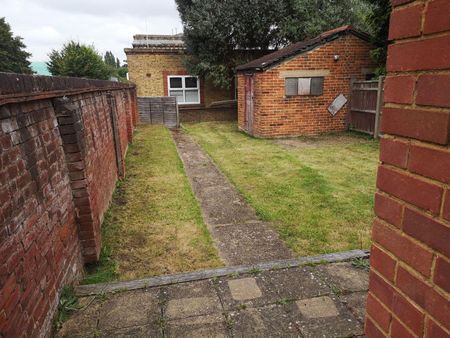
[[291, 86], [317, 86], [158, 110]]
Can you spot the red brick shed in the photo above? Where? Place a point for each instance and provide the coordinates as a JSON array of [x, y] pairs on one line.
[[288, 92]]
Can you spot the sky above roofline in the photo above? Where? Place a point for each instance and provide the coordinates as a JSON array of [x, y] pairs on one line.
[[107, 24]]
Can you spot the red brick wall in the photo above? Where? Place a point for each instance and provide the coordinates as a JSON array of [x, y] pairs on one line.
[[409, 292], [276, 115], [94, 168], [57, 171]]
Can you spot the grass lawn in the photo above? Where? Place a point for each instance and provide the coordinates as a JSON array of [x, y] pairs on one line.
[[318, 191], [154, 225]]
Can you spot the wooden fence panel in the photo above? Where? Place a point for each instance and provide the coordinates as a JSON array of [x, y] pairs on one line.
[[159, 110], [366, 105]]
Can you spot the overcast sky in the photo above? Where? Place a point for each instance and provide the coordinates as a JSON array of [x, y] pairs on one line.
[[108, 24]]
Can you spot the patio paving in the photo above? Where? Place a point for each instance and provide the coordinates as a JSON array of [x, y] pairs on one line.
[[240, 236], [262, 292], [303, 301]]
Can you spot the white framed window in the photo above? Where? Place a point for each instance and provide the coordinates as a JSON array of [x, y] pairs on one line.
[[186, 88]]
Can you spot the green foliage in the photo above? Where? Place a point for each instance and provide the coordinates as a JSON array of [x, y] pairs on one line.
[[219, 35], [13, 57], [282, 301], [78, 60], [255, 271], [361, 263], [234, 275], [214, 31], [115, 67], [309, 18], [122, 72], [68, 303], [105, 270], [110, 59], [378, 21]]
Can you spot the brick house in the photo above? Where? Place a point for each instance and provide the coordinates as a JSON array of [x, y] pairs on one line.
[[155, 65], [288, 92]]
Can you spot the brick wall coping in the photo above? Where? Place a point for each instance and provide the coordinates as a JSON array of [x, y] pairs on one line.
[[20, 87]]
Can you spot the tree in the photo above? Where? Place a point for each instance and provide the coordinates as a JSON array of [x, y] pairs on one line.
[[13, 57], [219, 35], [215, 30], [110, 59], [117, 63], [122, 73], [378, 21], [309, 18], [78, 60]]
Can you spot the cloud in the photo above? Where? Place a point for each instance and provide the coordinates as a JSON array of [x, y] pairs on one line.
[[136, 8], [44, 34], [109, 25]]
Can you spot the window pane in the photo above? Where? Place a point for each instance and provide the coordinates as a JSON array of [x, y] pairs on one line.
[[317, 86], [190, 82], [304, 86], [178, 94], [192, 96], [176, 82], [290, 87]]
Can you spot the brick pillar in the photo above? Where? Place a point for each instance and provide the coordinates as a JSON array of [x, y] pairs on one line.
[[127, 101], [134, 108], [71, 129], [409, 292]]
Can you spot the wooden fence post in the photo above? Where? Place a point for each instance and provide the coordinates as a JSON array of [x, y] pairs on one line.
[[376, 130]]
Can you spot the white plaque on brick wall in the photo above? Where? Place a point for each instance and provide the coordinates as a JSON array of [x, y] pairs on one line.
[[337, 104], [304, 86]]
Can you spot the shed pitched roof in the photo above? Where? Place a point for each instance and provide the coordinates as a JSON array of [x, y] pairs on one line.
[[297, 48]]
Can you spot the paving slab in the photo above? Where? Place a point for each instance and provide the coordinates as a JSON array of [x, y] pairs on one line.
[[247, 243], [318, 307], [324, 319], [240, 236], [194, 306], [343, 277], [146, 331], [356, 303], [301, 301], [297, 283], [83, 322], [262, 291], [190, 299], [267, 321], [130, 309], [244, 288], [200, 288], [202, 326]]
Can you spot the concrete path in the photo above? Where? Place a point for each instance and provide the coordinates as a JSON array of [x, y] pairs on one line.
[[305, 301], [241, 237]]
